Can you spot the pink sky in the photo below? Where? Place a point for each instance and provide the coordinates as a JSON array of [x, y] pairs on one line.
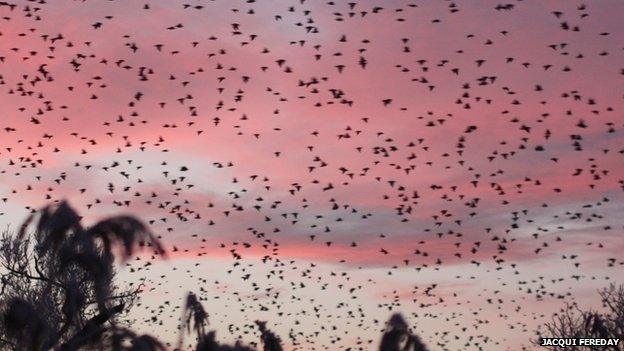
[[449, 163]]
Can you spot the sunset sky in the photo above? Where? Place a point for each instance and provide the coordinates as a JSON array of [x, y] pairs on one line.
[[323, 164]]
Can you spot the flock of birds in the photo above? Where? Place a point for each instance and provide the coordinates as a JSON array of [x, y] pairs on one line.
[[323, 164]]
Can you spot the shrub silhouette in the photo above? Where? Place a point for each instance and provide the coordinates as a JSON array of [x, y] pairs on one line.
[[58, 291]]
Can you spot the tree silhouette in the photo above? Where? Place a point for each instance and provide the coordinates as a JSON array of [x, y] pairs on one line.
[[573, 322], [58, 286]]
